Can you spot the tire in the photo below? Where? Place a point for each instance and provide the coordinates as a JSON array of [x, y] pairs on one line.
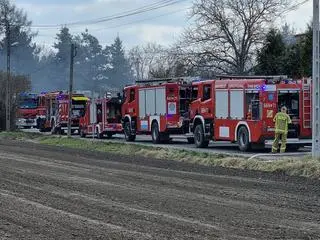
[[199, 137], [127, 132], [243, 139], [155, 133], [190, 140], [82, 134]]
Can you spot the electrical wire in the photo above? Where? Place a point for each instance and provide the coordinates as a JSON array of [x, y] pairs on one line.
[[124, 24], [144, 9], [295, 7]]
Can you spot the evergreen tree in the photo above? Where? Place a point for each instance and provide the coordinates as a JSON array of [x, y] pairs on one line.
[[306, 51], [62, 58], [23, 50], [89, 64], [120, 72], [271, 57], [292, 61]]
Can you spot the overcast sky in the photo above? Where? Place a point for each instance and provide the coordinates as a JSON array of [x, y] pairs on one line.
[[163, 25]]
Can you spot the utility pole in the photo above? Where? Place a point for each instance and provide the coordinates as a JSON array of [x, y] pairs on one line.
[[316, 83], [8, 92], [72, 56]]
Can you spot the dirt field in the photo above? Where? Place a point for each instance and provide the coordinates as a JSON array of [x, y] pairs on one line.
[[53, 193]]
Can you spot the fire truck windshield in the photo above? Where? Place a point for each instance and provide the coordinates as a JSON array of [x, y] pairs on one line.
[[28, 103], [78, 109]]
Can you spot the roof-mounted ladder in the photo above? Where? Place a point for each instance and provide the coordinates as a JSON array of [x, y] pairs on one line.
[[159, 81], [235, 77]]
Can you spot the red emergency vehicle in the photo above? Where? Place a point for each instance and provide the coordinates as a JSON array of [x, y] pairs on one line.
[[57, 107], [158, 107], [241, 110], [102, 117], [28, 110]]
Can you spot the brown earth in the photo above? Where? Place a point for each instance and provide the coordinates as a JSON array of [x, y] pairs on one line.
[[54, 193]]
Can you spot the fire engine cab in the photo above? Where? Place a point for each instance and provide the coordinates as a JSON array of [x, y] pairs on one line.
[[57, 107], [157, 106], [28, 110], [102, 117], [241, 110]]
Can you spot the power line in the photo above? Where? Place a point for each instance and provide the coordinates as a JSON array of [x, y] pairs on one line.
[[146, 8], [126, 24], [295, 6]]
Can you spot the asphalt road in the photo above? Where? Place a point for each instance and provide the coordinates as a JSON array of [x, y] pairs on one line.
[[55, 193]]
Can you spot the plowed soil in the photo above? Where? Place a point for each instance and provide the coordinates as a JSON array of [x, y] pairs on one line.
[[56, 193]]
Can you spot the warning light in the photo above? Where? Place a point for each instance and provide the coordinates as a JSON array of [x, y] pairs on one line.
[[262, 88]]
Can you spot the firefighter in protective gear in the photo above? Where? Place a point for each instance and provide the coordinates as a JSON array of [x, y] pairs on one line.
[[282, 120]]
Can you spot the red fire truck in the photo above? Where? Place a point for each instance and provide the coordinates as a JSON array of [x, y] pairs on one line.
[[102, 118], [241, 110], [157, 106], [57, 106], [28, 110]]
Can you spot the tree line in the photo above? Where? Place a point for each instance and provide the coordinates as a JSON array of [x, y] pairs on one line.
[[224, 37]]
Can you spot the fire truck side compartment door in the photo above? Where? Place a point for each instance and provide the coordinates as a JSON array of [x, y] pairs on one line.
[[161, 101], [93, 113], [142, 103], [222, 103], [150, 101], [236, 104]]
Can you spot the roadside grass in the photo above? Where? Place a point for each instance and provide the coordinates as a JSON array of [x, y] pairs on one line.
[[304, 166]]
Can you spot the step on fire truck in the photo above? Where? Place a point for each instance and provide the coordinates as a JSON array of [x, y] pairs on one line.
[[102, 117], [241, 110], [57, 107], [158, 107], [28, 110]]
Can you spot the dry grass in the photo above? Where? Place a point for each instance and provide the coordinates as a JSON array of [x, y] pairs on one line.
[[305, 166]]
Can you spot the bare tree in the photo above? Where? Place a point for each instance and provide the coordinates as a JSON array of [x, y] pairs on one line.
[[18, 84], [227, 33], [156, 61], [144, 58]]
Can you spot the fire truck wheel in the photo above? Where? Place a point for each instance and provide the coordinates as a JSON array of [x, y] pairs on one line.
[[155, 133], [199, 137], [127, 132], [243, 139]]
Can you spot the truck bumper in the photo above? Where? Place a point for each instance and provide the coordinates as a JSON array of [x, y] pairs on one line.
[[22, 122], [72, 128], [296, 141]]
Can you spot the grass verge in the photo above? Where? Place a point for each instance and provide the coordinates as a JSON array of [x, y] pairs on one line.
[[305, 167]]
